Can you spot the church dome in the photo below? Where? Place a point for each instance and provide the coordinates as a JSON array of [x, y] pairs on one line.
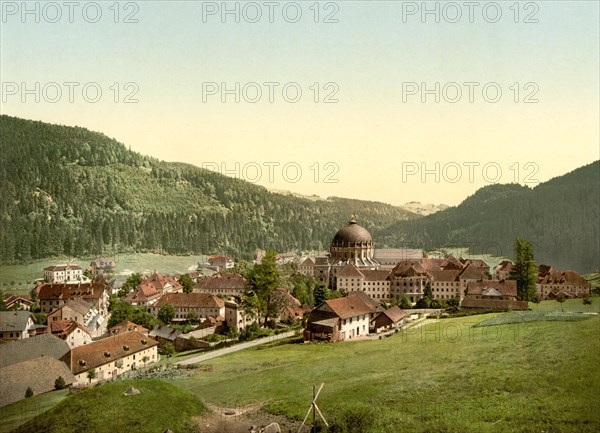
[[351, 234]]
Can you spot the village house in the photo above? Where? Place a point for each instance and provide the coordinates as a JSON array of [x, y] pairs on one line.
[[164, 334], [82, 312], [151, 289], [204, 305], [101, 265], [235, 316], [553, 282], [127, 326], [18, 302], [290, 308], [503, 270], [493, 294], [17, 325], [306, 266], [74, 333], [338, 319], [54, 295], [221, 262], [144, 295], [391, 318], [64, 274], [222, 284], [39, 374], [111, 357]]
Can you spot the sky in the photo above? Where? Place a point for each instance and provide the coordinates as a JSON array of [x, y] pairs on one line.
[[379, 100]]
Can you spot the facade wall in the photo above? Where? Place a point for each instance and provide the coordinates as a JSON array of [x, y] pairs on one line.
[[543, 290], [110, 370], [354, 327], [78, 338]]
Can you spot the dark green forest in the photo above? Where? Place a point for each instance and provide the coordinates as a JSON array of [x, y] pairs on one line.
[[560, 218], [67, 190], [71, 191]]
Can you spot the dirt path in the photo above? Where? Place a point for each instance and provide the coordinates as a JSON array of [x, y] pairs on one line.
[[241, 419], [241, 346]]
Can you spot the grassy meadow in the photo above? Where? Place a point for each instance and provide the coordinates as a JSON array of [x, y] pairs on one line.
[[106, 409], [443, 377], [19, 279], [18, 413]]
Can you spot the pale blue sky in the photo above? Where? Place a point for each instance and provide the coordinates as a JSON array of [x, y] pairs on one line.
[[369, 53]]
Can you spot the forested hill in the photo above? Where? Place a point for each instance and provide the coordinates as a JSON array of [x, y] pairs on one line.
[[560, 217], [70, 191]]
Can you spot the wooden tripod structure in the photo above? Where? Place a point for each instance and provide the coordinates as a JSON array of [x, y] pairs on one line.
[[314, 408]]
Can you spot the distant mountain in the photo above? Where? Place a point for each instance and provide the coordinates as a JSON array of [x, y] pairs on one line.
[[560, 217], [71, 191], [423, 209]]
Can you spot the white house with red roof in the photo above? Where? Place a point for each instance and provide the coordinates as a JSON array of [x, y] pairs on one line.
[[339, 319]]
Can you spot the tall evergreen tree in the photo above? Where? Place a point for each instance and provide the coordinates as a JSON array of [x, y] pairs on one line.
[[525, 271]]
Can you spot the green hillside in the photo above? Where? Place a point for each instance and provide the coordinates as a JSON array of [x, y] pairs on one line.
[[70, 191], [559, 217], [444, 377], [106, 409]]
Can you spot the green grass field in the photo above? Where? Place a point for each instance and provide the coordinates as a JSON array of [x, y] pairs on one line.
[[444, 377], [105, 409], [570, 305], [17, 279], [18, 413]]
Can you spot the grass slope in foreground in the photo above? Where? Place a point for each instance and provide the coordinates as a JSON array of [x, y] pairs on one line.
[[105, 409], [443, 377]]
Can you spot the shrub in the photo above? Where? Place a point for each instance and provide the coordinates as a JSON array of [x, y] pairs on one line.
[[358, 419], [59, 383], [168, 350], [29, 392], [587, 301]]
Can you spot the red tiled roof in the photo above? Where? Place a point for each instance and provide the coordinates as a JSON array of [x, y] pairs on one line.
[[190, 300], [287, 298], [376, 274], [54, 291], [307, 262], [158, 282], [350, 306], [450, 275], [56, 268], [62, 328], [472, 272], [395, 314], [126, 326], [350, 270], [505, 287], [143, 292], [556, 276], [222, 281], [94, 354], [408, 269]]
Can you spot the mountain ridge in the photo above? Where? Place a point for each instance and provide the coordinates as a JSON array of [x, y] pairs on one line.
[[70, 191]]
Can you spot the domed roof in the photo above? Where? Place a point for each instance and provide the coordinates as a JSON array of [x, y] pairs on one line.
[[351, 234]]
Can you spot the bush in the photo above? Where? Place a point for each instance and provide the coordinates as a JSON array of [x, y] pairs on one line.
[[358, 419], [168, 350], [59, 383], [587, 301], [29, 392]]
